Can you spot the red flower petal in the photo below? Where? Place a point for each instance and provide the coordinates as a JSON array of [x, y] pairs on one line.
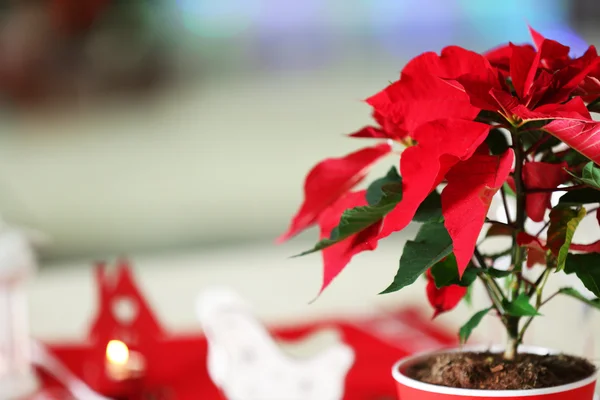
[[499, 57], [445, 298], [336, 257], [371, 132], [586, 248], [526, 240], [421, 95], [537, 248], [568, 78], [453, 62], [419, 100], [328, 181], [540, 175], [466, 199], [538, 39], [573, 110], [536, 253], [477, 86], [567, 73], [521, 61], [440, 145], [589, 88], [507, 103], [583, 136], [550, 54]]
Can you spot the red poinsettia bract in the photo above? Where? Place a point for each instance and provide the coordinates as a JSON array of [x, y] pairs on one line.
[[336, 257], [467, 198], [445, 298], [328, 181], [445, 108]]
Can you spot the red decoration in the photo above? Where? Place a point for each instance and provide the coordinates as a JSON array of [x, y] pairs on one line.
[[176, 365], [172, 363]]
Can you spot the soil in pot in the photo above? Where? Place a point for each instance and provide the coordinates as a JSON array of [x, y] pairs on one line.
[[490, 371]]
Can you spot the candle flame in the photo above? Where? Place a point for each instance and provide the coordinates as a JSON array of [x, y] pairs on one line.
[[117, 352]]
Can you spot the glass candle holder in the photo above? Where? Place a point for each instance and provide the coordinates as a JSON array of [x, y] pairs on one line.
[[17, 264]]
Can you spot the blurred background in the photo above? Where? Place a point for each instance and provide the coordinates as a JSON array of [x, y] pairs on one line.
[[179, 132], [151, 125]]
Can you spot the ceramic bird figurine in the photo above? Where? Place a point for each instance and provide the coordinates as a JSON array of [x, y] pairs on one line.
[[247, 364]]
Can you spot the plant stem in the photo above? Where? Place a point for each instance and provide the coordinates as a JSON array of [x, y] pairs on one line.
[[501, 254], [480, 259], [549, 298], [512, 327], [520, 195], [528, 282], [542, 230], [494, 287], [537, 284], [505, 203], [538, 301], [518, 254], [495, 296]]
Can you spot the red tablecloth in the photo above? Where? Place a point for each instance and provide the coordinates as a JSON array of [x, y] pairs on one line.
[[177, 364]]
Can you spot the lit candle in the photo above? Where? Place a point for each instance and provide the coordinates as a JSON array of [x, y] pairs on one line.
[[121, 363]]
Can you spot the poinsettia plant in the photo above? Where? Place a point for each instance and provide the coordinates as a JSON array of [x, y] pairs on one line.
[[514, 123]]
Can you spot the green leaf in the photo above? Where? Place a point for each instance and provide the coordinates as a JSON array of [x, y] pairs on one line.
[[376, 190], [467, 329], [590, 175], [468, 299], [563, 223], [497, 273], [431, 245], [574, 158], [508, 190], [430, 209], [357, 219], [497, 142], [520, 307], [587, 269], [581, 196], [575, 294], [445, 273]]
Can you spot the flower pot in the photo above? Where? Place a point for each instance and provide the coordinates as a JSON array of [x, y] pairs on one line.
[[411, 389]]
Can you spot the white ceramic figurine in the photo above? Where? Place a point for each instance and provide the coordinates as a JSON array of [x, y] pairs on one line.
[[247, 364]]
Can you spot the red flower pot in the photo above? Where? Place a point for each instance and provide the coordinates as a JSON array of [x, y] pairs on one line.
[[411, 389]]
